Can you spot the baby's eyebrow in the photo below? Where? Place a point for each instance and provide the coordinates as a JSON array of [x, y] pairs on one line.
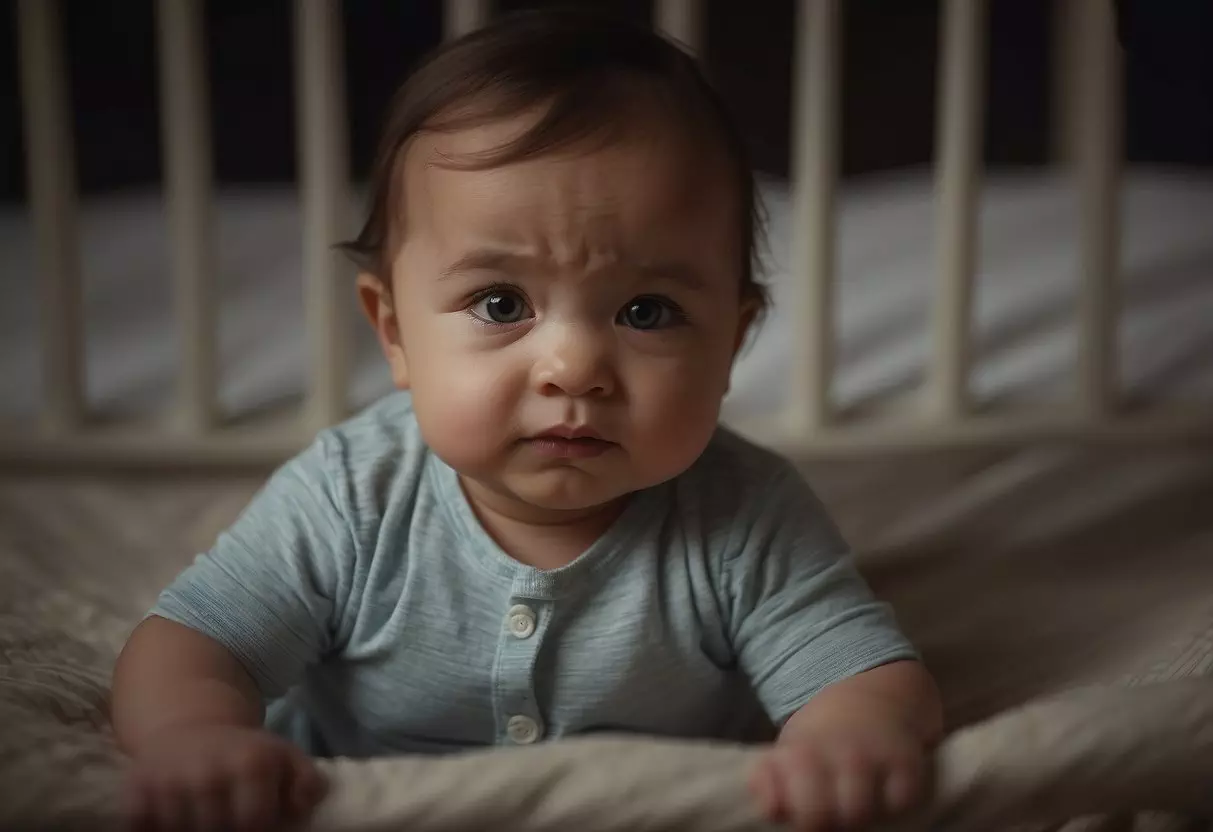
[[682, 274], [487, 259], [510, 262]]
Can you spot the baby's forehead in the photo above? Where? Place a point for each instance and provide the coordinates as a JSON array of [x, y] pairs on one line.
[[643, 200], [649, 170]]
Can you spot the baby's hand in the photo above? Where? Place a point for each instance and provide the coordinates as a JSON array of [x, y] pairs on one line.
[[841, 777], [220, 778]]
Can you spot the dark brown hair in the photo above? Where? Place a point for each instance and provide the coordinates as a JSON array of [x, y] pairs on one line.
[[587, 72]]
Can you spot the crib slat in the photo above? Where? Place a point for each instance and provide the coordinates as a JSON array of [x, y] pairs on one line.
[[1064, 103], [681, 20], [961, 111], [1097, 162], [324, 202], [463, 16], [51, 172], [185, 127], [814, 173]]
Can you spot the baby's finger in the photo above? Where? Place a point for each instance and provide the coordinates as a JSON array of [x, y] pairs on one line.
[[807, 791], [209, 801], [138, 807], [856, 790], [172, 810], [904, 787], [764, 786], [254, 804], [307, 787]]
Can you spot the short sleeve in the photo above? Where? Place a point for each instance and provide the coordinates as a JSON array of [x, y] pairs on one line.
[[801, 615], [272, 588]]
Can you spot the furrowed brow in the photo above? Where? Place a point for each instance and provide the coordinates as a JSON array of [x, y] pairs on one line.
[[680, 274], [488, 259]]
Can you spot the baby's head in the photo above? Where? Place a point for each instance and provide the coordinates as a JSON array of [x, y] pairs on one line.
[[559, 258]]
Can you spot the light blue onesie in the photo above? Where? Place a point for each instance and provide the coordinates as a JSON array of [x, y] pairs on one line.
[[367, 602]]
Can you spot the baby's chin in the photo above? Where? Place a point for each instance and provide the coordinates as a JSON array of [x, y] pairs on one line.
[[560, 495], [572, 492]]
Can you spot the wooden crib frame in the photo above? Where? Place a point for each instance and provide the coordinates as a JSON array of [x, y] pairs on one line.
[[1087, 86]]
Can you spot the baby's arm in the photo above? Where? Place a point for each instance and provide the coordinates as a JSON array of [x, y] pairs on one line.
[[237, 628], [191, 716], [858, 713], [856, 752], [901, 695], [171, 677]]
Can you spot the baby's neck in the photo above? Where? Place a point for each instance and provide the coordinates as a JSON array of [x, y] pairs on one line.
[[542, 539]]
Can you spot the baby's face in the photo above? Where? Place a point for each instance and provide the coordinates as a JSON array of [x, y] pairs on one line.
[[568, 323]]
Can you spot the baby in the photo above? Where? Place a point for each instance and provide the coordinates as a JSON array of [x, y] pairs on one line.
[[545, 532]]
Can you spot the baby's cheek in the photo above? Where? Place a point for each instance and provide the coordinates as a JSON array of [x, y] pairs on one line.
[[677, 415], [463, 414]]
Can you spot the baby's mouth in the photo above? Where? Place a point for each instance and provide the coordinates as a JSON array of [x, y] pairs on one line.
[[569, 443]]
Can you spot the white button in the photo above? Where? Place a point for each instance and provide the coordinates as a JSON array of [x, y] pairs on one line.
[[522, 730], [522, 621]]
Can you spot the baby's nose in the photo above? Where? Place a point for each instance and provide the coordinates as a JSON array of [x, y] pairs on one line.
[[577, 363]]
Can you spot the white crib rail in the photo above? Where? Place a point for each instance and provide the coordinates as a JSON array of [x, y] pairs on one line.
[[682, 22], [1090, 66], [325, 198], [961, 112], [814, 174], [1097, 161], [50, 166], [188, 198], [463, 16]]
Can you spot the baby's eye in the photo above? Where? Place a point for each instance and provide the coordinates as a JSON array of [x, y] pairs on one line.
[[650, 313], [501, 306]]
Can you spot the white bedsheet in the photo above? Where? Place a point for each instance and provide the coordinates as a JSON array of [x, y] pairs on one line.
[[1026, 290]]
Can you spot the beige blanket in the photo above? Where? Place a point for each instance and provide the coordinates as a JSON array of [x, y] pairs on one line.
[[1097, 750], [1107, 633]]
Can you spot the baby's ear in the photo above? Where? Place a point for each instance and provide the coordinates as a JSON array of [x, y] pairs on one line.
[[750, 310], [378, 305]]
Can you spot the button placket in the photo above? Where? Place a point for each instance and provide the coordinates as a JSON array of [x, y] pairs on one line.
[[523, 623]]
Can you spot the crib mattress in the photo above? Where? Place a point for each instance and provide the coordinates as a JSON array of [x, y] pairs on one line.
[[1023, 317], [1018, 574]]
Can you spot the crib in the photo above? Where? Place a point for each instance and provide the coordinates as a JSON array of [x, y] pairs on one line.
[[942, 410], [1084, 689]]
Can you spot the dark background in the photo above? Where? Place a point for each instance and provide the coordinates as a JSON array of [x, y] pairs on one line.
[[889, 61]]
